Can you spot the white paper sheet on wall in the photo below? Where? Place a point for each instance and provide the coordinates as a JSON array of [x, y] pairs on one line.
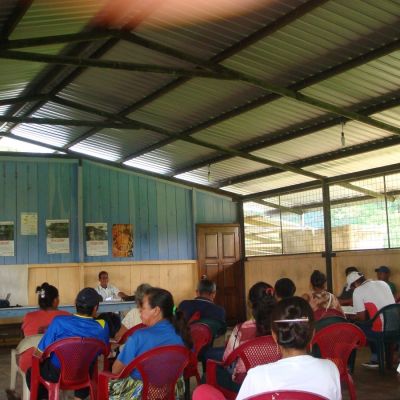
[[14, 280]]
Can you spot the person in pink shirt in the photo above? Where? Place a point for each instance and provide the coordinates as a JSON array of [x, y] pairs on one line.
[[36, 322]]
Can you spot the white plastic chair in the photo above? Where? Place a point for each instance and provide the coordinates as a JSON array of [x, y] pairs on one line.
[[24, 345]]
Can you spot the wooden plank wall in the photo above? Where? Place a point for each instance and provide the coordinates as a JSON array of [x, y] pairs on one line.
[[177, 276], [44, 186], [299, 267], [163, 214]]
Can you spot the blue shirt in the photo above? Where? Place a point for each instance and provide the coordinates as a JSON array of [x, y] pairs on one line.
[[65, 326], [160, 334]]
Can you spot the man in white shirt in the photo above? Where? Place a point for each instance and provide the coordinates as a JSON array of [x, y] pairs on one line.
[[368, 298], [108, 291]]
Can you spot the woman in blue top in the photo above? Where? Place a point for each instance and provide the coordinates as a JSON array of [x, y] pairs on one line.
[[163, 328]]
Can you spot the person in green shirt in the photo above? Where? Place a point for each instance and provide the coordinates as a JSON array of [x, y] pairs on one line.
[[383, 274]]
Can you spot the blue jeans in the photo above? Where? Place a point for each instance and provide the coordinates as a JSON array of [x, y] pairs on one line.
[[369, 333]]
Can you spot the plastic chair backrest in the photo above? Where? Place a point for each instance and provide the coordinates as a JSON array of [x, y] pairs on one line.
[[160, 369], [287, 395], [201, 336], [323, 322], [391, 320], [76, 355], [130, 332], [337, 341], [207, 392], [330, 312], [257, 351]]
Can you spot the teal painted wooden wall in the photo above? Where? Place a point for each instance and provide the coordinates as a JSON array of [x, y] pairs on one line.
[[163, 215]]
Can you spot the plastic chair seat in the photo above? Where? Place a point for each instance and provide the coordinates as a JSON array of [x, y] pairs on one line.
[[287, 395], [76, 356], [336, 342], [159, 368], [254, 352]]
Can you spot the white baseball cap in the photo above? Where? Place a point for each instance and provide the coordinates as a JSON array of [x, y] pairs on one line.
[[352, 277]]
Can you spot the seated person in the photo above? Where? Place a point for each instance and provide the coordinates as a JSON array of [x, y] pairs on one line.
[[346, 297], [383, 274], [368, 298], [36, 322], [108, 291], [284, 288], [262, 301], [292, 328], [164, 328], [203, 306], [132, 318], [321, 301], [82, 324]]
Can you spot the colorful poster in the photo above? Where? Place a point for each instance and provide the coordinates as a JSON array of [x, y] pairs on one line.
[[7, 239], [57, 236], [122, 236], [96, 239], [29, 222]]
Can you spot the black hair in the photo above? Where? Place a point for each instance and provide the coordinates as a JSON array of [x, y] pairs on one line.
[[46, 295], [262, 301], [348, 270], [296, 334], [318, 279], [206, 286], [162, 298], [102, 273], [284, 288]]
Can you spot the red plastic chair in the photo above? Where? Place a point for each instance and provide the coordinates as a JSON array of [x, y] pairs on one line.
[[160, 369], [257, 351], [201, 336], [287, 395], [130, 332], [336, 342], [76, 355], [208, 392]]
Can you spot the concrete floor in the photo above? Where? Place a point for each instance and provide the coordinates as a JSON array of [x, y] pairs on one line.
[[370, 384]]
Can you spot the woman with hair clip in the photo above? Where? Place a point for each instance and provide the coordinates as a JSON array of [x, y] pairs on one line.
[[36, 322], [292, 329], [261, 302], [164, 327]]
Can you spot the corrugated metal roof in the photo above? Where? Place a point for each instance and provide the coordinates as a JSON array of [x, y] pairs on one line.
[[328, 35]]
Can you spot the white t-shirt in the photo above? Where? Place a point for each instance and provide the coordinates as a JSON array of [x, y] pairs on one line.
[[132, 318], [109, 293], [372, 296], [303, 372]]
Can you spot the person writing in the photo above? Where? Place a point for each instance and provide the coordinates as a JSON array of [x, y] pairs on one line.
[[292, 329], [108, 291]]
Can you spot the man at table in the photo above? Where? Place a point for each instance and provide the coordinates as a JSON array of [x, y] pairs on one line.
[[108, 291], [82, 324], [383, 274], [346, 297], [369, 297]]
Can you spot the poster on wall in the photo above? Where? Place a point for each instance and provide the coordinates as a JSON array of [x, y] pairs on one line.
[[57, 231], [122, 240], [96, 239], [29, 221], [7, 238]]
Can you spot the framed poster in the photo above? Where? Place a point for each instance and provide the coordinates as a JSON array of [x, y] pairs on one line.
[[57, 231], [7, 238], [122, 245], [96, 239]]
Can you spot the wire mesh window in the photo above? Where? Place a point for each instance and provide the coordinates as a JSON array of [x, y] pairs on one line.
[[285, 224], [365, 214]]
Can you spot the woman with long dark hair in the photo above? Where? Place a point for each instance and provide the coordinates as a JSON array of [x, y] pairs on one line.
[[165, 327], [293, 328]]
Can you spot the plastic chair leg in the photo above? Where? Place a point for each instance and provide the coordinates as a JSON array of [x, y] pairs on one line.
[[187, 389], [25, 390], [14, 369], [350, 386]]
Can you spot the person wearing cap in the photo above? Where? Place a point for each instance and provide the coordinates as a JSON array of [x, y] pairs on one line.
[[383, 274], [346, 297], [369, 297], [82, 324]]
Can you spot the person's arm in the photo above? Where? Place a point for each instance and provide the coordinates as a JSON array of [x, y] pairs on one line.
[[117, 367], [122, 295], [359, 307], [121, 332]]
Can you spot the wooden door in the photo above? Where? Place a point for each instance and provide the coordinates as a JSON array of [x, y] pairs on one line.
[[218, 255]]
